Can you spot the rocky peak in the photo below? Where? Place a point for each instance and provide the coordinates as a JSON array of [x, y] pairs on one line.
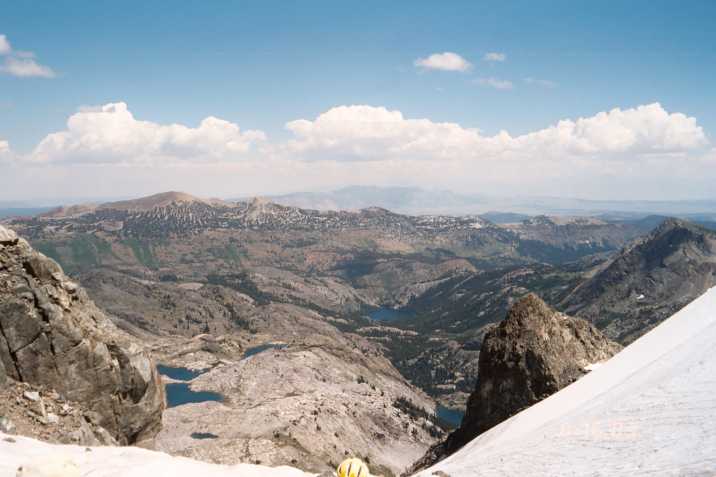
[[533, 353], [675, 232], [648, 281], [258, 208], [671, 223], [162, 199], [52, 335]]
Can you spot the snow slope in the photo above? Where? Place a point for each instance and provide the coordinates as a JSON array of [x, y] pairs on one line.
[[39, 459], [650, 410]]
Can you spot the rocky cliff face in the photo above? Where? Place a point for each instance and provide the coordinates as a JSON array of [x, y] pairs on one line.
[[52, 334], [532, 354]]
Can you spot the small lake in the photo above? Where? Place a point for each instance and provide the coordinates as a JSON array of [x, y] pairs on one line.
[[390, 314], [258, 349], [181, 393], [180, 374], [451, 416]]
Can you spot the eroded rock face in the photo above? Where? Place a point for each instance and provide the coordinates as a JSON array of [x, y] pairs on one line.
[[52, 334], [533, 353]]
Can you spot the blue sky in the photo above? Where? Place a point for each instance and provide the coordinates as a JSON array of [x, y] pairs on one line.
[[262, 64]]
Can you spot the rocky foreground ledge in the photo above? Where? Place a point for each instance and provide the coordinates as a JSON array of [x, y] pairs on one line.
[[53, 336]]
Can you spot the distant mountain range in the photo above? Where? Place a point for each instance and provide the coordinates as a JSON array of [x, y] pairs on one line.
[[413, 200], [418, 201]]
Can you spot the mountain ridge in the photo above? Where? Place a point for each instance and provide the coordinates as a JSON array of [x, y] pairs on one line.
[[648, 280]]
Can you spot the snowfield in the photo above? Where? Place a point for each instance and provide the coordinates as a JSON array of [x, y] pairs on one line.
[[39, 459], [650, 410]]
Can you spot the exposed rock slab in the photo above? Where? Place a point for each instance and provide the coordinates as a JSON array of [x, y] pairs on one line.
[[309, 404], [52, 334]]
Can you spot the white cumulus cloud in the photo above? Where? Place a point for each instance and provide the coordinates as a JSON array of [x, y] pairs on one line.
[[110, 133], [446, 61], [360, 133], [495, 57], [644, 129], [496, 83], [641, 152]]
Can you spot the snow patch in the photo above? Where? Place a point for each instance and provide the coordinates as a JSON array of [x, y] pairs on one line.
[[25, 457], [592, 366]]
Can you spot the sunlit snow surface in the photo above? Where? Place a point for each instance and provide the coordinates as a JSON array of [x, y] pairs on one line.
[[650, 410], [39, 459]]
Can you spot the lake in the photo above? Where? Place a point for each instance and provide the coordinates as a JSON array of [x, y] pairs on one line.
[[390, 314], [180, 374], [257, 349], [181, 393], [451, 416]]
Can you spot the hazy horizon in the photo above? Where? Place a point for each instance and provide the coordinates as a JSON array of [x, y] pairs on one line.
[[238, 195], [419, 201]]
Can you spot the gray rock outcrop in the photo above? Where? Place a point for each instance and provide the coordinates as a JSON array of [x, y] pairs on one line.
[[533, 353], [52, 334]]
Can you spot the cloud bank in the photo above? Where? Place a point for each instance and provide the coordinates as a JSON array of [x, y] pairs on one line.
[[375, 133], [638, 152], [110, 133]]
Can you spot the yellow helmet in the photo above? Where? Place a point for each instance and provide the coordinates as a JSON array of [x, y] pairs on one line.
[[353, 468]]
